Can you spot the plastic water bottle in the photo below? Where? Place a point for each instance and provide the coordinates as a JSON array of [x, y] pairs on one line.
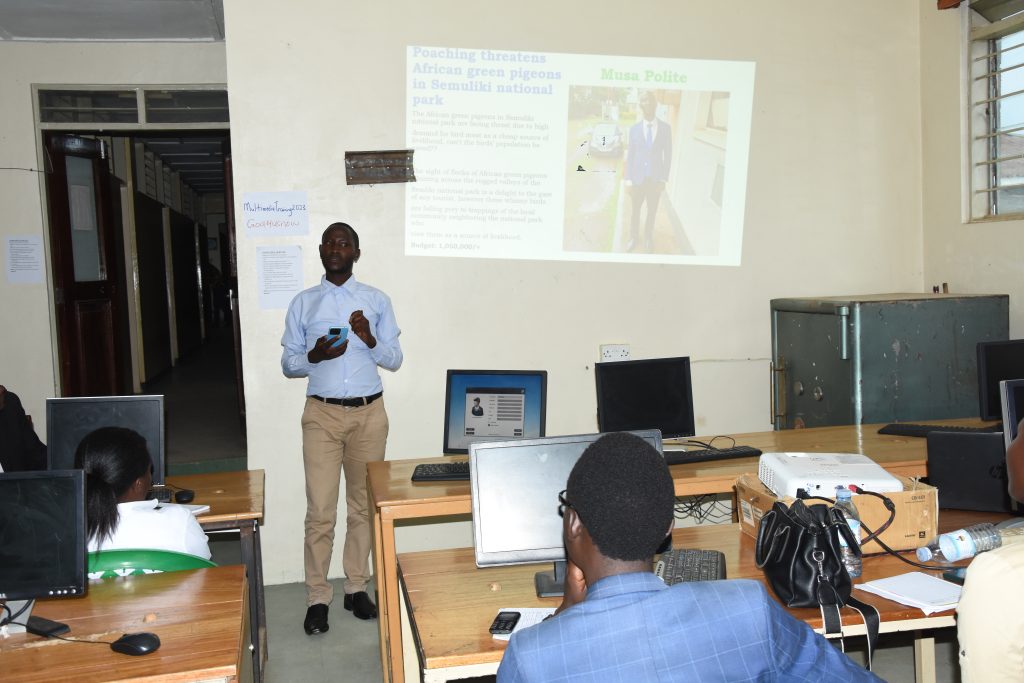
[[851, 559], [931, 553], [968, 542]]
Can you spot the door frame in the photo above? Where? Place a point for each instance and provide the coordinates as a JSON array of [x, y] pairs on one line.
[[114, 130]]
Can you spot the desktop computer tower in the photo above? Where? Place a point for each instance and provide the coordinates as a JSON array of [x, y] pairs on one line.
[[880, 358]]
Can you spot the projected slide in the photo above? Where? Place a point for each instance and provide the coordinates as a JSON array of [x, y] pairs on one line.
[[533, 155]]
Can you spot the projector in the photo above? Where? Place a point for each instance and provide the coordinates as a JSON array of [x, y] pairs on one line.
[[820, 473]]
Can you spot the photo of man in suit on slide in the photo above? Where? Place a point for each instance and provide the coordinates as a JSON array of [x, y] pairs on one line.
[[647, 165]]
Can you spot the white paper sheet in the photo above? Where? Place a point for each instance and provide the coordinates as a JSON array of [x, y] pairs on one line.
[[917, 589], [529, 616]]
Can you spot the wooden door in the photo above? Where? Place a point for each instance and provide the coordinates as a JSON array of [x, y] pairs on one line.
[[83, 235]]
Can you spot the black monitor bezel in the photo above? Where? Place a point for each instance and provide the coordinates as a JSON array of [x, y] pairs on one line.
[[1011, 411], [532, 555], [602, 416], [448, 449], [80, 584], [988, 408], [158, 458]]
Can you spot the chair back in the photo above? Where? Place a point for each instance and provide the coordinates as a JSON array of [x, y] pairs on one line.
[[104, 564]]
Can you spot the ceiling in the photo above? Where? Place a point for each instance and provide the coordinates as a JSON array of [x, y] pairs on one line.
[[120, 20], [197, 158]]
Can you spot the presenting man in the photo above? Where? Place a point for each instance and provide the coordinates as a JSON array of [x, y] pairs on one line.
[[648, 161], [337, 333], [619, 622]]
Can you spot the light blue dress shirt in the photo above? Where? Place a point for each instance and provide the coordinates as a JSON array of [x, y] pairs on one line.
[[631, 627], [315, 310]]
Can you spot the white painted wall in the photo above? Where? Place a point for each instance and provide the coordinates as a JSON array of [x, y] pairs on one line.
[[27, 361], [971, 257], [832, 208]]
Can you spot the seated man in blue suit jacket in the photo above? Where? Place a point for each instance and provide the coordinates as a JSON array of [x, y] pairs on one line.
[[648, 161], [619, 622]]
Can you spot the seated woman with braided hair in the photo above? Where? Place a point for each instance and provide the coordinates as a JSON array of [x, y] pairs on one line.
[[118, 476]]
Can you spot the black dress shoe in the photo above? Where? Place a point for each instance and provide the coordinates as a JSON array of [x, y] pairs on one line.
[[316, 619], [360, 605]]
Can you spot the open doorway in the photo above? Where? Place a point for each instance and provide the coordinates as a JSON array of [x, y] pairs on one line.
[[142, 262]]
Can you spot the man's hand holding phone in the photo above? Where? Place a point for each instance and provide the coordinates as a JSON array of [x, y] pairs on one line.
[[330, 346]]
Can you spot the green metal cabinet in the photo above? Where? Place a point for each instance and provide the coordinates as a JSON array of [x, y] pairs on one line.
[[880, 358]]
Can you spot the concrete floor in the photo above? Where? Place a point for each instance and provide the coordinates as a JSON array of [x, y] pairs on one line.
[[207, 436]]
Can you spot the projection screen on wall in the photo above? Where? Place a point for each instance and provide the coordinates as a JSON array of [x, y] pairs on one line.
[[530, 155]]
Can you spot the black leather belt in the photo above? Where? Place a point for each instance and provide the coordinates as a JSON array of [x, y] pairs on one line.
[[349, 402]]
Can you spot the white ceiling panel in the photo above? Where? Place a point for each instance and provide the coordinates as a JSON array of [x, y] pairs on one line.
[[112, 20]]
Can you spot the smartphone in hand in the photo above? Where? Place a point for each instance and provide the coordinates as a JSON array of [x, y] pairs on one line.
[[504, 623], [340, 332]]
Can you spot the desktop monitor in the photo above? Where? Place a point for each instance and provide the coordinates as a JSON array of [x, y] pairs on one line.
[[645, 394], [42, 538], [68, 420], [514, 487], [1011, 391], [493, 405], [997, 361]]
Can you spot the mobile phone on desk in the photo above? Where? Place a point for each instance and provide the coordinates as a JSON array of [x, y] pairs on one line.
[[955, 575], [504, 623], [340, 332]]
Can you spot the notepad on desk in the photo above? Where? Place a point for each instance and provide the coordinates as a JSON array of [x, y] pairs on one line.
[[917, 589], [528, 616], [196, 510]]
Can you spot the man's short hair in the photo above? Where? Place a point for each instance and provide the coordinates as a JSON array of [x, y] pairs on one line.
[[345, 226], [623, 493]]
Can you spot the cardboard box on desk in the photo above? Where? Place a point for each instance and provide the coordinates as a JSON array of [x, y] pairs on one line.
[[916, 522]]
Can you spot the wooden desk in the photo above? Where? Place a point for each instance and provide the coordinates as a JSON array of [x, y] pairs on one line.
[[201, 617], [236, 504], [393, 496], [451, 602]]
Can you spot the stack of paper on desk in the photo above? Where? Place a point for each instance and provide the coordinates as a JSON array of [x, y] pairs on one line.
[[917, 589]]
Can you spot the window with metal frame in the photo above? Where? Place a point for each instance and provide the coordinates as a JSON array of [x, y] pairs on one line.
[[996, 114]]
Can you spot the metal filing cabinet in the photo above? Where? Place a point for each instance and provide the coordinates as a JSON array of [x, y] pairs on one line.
[[880, 358]]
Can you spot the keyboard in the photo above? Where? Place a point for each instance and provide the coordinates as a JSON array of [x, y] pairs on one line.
[[442, 471], [689, 564], [907, 429], [710, 454]]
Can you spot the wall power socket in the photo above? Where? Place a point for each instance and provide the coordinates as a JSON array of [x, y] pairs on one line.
[[614, 352]]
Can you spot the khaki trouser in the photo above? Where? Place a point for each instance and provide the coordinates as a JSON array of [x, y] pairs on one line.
[[336, 438]]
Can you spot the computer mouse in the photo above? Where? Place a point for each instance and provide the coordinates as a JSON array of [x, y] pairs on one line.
[[136, 644], [184, 496]]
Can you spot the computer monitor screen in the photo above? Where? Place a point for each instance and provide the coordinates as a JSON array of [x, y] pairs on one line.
[[997, 361], [68, 420], [493, 405], [514, 487], [645, 394], [42, 535], [1011, 392]]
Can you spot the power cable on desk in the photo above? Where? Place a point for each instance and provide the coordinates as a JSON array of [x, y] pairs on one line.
[[874, 535], [70, 640], [703, 508]]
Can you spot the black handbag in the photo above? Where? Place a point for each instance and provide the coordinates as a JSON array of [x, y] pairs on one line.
[[798, 549]]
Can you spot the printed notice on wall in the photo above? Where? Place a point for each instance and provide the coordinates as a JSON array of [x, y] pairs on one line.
[[269, 214], [279, 275], [25, 260]]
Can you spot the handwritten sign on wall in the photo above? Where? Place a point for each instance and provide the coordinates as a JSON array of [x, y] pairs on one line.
[[270, 214]]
